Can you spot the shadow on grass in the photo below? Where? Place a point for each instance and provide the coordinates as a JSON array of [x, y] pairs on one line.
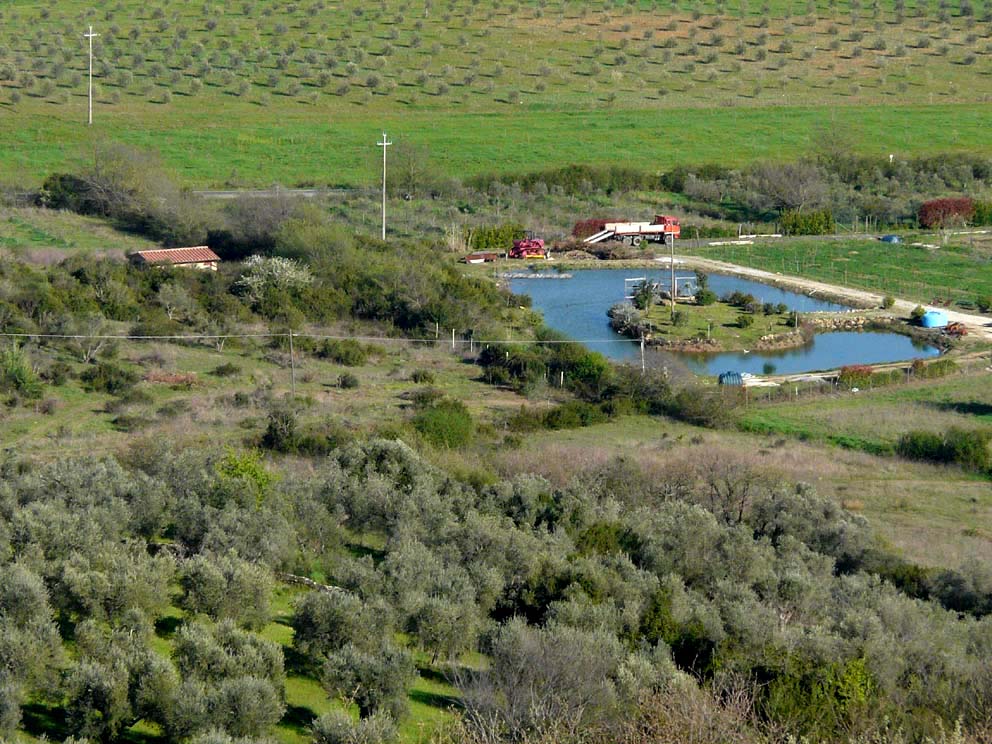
[[966, 407], [298, 717], [360, 551], [297, 663], [40, 720], [166, 627], [433, 699], [434, 675]]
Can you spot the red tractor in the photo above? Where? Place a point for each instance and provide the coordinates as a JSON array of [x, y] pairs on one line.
[[529, 248]]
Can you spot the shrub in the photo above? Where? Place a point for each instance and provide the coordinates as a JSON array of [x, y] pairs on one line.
[[984, 303], [939, 368], [348, 381], [495, 237], [917, 313], [447, 423], [573, 414], [17, 374], [705, 297], [346, 351], [938, 213], [422, 377], [281, 431], [745, 320], [983, 213], [854, 375], [57, 374], [226, 370], [815, 222], [888, 301], [107, 378], [927, 446], [967, 448], [680, 318]]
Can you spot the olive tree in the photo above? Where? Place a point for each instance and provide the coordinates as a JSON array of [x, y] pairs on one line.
[[375, 681], [227, 587]]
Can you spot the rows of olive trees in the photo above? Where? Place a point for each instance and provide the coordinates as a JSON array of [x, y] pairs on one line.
[[599, 605], [306, 53]]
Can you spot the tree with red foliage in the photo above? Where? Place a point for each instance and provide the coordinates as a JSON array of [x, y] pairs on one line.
[[584, 228], [947, 212]]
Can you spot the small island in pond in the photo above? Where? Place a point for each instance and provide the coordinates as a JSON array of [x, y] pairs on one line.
[[705, 323]]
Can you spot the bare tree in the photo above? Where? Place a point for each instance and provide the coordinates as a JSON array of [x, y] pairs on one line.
[[796, 186]]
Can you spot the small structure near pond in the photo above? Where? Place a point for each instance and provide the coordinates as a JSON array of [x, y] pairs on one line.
[[934, 319], [731, 378]]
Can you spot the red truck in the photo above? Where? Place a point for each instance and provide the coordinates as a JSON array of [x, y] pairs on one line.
[[634, 233]]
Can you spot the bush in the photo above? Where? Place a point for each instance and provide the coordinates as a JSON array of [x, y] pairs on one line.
[[226, 370], [967, 448], [922, 445], [984, 303], [16, 373], [854, 375], [705, 297], [888, 301], [680, 318], [745, 320], [348, 381], [445, 424], [57, 374], [107, 378], [983, 213], [815, 222], [346, 351], [495, 237], [572, 415], [422, 377], [917, 313], [932, 370]]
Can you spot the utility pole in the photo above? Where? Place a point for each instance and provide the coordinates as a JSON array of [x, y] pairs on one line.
[[670, 239], [90, 36], [384, 144]]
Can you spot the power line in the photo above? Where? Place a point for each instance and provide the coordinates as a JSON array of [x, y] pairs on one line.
[[317, 336]]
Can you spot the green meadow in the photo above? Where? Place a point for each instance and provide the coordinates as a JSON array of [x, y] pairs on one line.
[[259, 92]]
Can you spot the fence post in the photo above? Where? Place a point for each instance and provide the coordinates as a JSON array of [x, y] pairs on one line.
[[292, 362]]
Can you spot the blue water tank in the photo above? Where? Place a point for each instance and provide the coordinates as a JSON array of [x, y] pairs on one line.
[[731, 378], [934, 319]]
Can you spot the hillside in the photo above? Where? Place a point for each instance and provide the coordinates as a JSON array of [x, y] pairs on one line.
[[252, 93]]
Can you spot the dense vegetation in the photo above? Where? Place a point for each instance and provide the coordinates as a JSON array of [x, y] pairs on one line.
[[598, 604]]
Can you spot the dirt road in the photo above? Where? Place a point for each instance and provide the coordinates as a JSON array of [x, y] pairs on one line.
[[977, 325]]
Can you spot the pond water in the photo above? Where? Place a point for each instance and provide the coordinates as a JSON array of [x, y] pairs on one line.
[[577, 307]]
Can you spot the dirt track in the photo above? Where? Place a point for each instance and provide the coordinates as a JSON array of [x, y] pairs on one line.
[[977, 325]]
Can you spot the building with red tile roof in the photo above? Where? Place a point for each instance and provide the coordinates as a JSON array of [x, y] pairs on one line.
[[197, 257]]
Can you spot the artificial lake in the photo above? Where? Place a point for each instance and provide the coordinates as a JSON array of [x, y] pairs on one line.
[[577, 307]]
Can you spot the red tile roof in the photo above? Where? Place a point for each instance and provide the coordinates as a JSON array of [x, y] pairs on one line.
[[198, 254]]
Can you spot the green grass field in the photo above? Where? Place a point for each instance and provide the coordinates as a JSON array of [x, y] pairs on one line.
[[957, 272], [879, 417], [49, 236], [252, 93]]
